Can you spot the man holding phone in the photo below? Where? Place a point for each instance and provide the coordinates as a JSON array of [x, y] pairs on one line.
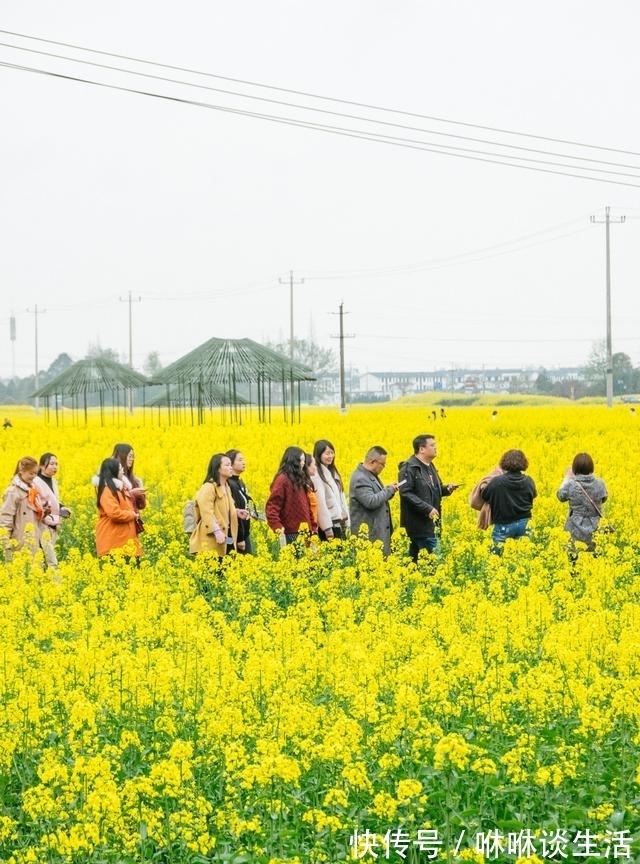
[[421, 495], [369, 499]]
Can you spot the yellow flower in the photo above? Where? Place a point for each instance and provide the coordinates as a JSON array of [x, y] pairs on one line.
[[408, 789], [452, 749]]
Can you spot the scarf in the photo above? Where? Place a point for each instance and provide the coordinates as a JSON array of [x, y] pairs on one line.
[[35, 502]]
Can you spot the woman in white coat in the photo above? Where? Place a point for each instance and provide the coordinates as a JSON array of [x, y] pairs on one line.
[[325, 455]]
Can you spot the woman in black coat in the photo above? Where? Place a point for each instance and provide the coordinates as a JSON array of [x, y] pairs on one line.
[[243, 501], [510, 495]]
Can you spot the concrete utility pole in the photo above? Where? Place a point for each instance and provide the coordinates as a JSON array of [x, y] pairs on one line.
[[291, 282], [129, 300], [12, 337], [609, 362], [342, 337], [36, 312]]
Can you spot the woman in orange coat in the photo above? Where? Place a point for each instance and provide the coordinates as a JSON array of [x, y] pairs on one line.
[[117, 519]]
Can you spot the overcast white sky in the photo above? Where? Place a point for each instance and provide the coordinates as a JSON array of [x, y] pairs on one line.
[[440, 261]]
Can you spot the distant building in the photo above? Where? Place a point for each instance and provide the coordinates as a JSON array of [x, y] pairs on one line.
[[378, 386]]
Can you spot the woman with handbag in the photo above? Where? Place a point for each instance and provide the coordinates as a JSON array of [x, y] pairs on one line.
[[586, 494]]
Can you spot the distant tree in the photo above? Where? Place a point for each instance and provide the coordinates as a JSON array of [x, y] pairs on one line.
[[59, 365], [625, 377], [322, 362], [97, 351], [623, 374], [543, 384], [152, 364]]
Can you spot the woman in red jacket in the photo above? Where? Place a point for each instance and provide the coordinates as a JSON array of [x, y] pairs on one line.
[[117, 517], [288, 507]]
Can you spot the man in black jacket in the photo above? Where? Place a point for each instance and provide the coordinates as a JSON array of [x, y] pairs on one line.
[[421, 492]]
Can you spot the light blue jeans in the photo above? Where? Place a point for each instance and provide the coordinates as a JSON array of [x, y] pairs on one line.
[[503, 532]]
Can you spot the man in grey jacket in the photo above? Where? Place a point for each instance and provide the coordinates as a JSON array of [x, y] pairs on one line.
[[369, 499]]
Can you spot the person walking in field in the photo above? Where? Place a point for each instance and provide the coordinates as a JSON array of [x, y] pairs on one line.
[[47, 485], [133, 484], [585, 494], [325, 455], [510, 496], [118, 520], [288, 506], [369, 499], [421, 494], [243, 501], [23, 510], [217, 528]]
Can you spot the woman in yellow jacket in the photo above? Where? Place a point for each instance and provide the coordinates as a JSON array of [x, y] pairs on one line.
[[217, 528]]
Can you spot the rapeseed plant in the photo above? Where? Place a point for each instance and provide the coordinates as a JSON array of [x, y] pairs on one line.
[[267, 708]]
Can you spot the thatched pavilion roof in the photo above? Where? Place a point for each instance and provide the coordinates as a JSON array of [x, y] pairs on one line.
[[219, 361], [93, 375], [233, 362]]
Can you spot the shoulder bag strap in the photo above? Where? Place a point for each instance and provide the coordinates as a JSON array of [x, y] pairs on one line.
[[590, 499]]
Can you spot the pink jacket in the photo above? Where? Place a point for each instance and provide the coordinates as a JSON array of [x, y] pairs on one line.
[[50, 498], [17, 514]]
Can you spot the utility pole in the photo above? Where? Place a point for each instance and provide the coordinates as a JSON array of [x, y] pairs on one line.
[[12, 337], [129, 300], [342, 337], [609, 361], [291, 282], [36, 312]]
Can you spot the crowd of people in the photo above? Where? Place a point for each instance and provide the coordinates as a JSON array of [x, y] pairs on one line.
[[307, 493]]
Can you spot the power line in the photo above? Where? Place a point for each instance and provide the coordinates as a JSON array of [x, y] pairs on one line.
[[449, 261], [410, 144], [311, 95], [325, 111]]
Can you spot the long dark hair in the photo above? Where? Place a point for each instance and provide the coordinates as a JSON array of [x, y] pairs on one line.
[[120, 452], [318, 449], [109, 471], [44, 461], [232, 455], [290, 467], [213, 469]]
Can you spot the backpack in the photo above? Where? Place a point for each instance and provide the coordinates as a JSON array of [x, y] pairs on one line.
[[190, 517]]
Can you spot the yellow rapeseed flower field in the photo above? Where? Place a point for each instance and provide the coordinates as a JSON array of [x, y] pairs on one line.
[[324, 704]]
